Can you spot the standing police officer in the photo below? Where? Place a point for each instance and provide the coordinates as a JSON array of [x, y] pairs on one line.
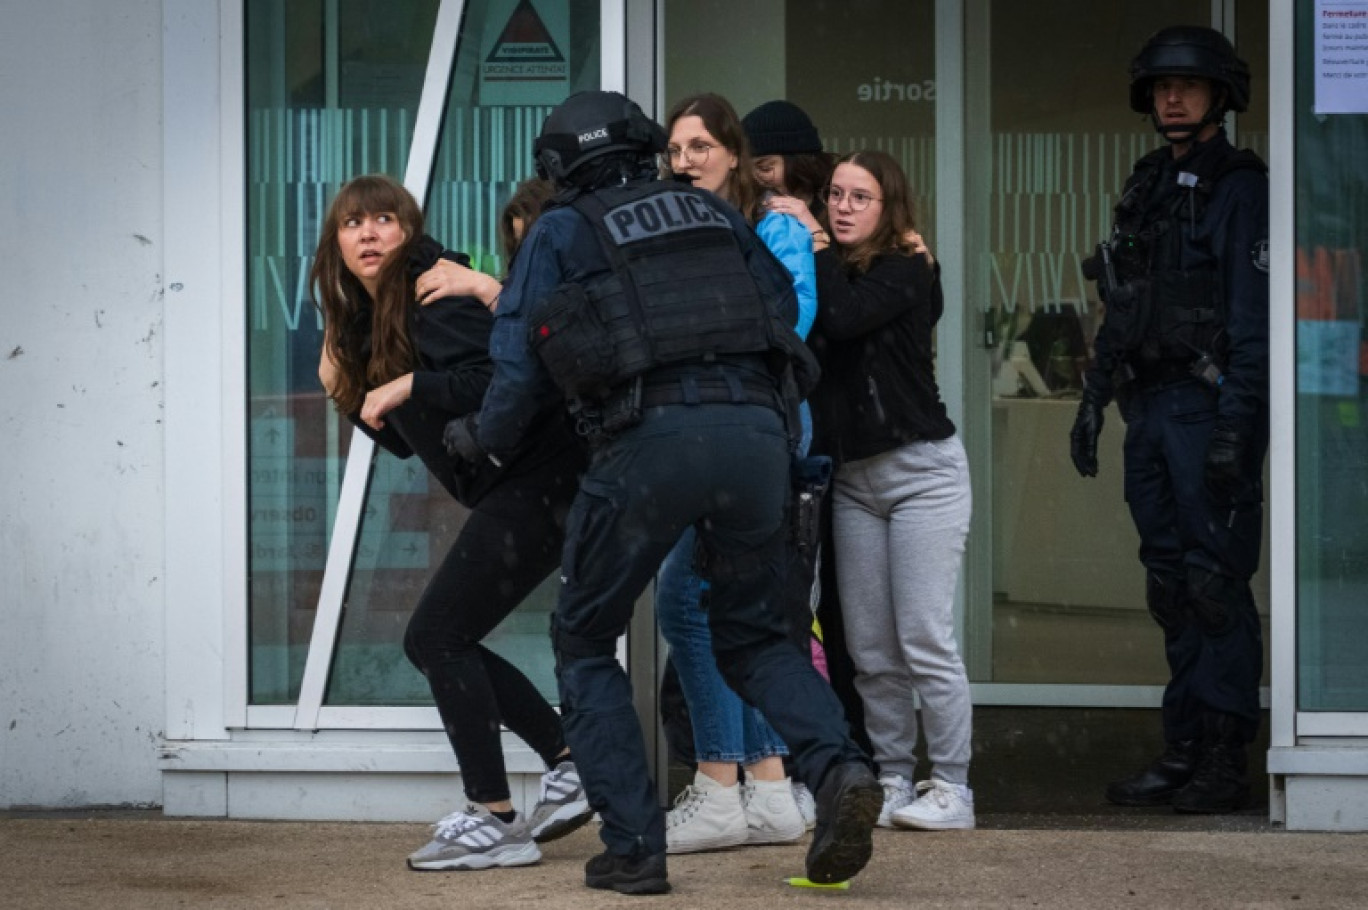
[[1183, 347], [653, 310]]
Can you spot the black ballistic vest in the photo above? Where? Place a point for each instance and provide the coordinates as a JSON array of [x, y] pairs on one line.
[[1163, 312], [679, 292]]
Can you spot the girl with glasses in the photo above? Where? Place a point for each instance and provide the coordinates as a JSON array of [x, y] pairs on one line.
[[901, 498]]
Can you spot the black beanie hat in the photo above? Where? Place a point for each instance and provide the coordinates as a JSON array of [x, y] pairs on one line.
[[781, 128]]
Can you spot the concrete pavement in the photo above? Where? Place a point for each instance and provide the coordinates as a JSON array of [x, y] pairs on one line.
[[1149, 859]]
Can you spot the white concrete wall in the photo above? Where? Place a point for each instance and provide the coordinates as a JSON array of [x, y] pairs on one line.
[[81, 390]]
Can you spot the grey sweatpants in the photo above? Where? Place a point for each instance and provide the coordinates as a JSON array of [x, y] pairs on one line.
[[900, 520]]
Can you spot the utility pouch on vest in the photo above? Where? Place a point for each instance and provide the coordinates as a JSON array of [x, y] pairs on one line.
[[1130, 309], [565, 331], [1187, 318]]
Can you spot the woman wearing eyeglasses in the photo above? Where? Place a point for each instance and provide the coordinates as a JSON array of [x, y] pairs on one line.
[[708, 145], [900, 499]]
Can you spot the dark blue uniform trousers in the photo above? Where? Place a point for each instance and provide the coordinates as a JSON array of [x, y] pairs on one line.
[[722, 468], [1202, 551]]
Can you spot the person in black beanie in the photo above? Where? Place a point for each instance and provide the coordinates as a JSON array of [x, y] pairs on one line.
[[790, 162], [789, 159]]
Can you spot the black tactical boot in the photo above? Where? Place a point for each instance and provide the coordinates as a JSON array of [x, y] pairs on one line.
[[1156, 784], [627, 874], [1220, 783]]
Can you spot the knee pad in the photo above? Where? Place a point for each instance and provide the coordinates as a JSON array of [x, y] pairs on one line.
[[569, 648], [1164, 596], [1215, 599]]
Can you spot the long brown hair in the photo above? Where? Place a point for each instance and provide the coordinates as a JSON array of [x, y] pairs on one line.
[[898, 215], [350, 316], [525, 205], [719, 118]]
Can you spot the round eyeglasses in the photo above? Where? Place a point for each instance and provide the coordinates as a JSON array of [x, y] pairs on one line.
[[695, 153], [858, 200]]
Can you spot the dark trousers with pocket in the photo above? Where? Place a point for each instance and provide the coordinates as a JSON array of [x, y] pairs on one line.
[[723, 469]]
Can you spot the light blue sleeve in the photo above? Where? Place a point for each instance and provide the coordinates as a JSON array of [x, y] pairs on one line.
[[791, 244]]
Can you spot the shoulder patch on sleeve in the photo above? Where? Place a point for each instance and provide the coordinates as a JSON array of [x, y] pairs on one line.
[[1258, 255]]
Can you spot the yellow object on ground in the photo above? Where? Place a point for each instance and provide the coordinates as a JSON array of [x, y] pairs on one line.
[[804, 883]]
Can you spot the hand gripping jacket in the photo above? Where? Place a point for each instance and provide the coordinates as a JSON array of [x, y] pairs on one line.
[[679, 292], [1159, 311]]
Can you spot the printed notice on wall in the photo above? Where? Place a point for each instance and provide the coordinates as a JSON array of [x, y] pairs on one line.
[[525, 58], [1341, 56]]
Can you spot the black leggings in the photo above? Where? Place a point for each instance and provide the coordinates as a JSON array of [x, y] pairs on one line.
[[510, 542]]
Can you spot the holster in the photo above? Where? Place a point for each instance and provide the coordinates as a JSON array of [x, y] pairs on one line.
[[811, 479]]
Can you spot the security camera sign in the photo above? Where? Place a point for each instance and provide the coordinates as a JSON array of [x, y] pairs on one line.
[[524, 57]]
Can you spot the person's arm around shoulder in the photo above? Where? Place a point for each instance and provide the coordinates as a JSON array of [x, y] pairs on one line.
[[451, 279], [856, 304]]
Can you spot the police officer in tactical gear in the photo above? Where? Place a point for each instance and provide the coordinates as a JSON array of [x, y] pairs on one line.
[[652, 311], [1183, 348]]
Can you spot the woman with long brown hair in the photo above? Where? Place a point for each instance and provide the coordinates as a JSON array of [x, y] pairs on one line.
[[401, 372], [901, 499]]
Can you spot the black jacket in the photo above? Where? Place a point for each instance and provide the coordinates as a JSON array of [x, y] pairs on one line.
[[873, 338], [451, 339]]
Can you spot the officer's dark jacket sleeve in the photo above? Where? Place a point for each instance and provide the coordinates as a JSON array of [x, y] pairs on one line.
[[853, 305], [1238, 215], [521, 392]]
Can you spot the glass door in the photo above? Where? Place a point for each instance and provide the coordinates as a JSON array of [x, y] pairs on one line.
[[1050, 140], [446, 95]]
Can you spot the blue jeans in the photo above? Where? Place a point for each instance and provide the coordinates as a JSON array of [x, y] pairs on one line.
[[725, 729]]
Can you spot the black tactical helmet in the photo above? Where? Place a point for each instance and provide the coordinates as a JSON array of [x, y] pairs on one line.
[[589, 125], [1189, 50]]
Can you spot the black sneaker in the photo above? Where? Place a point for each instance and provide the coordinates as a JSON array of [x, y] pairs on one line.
[[627, 874], [848, 804]]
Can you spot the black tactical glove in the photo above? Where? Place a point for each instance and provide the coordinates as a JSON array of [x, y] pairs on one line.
[[1224, 471], [1087, 427], [459, 438]]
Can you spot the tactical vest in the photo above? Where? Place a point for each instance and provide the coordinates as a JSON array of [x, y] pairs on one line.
[[679, 292], [1163, 312]]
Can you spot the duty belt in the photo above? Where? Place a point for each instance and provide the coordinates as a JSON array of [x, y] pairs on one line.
[[731, 388], [1163, 372]]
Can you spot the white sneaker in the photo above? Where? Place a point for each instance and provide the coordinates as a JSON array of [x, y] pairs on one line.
[[772, 815], [807, 806], [474, 839], [562, 806], [897, 793], [706, 816], [940, 806]]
